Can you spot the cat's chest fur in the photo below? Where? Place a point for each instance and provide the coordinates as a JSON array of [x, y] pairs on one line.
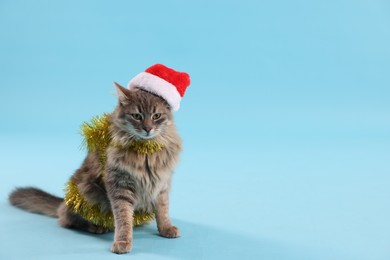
[[150, 173]]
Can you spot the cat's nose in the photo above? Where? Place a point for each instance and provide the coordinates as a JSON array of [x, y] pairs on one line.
[[147, 129]]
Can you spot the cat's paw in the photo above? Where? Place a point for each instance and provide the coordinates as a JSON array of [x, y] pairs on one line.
[[169, 232], [121, 247]]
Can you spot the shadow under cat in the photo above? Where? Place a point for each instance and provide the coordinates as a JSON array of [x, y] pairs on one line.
[[46, 240], [199, 241]]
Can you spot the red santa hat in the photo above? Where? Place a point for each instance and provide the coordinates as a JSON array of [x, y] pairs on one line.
[[164, 82]]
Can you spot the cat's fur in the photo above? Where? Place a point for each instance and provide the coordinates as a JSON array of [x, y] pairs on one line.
[[132, 181]]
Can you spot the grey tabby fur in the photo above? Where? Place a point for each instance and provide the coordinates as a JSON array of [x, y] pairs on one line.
[[133, 181]]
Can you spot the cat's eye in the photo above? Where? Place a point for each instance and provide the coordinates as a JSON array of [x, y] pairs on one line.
[[136, 116], [156, 116]]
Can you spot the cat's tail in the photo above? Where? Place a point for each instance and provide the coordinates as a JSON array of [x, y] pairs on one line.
[[36, 201]]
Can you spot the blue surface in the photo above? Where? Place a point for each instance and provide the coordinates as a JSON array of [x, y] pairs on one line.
[[286, 125]]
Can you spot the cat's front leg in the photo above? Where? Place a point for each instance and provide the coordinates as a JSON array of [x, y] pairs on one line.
[[164, 226], [121, 192]]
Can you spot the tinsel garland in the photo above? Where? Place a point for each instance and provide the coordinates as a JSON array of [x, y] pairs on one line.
[[97, 139], [75, 201], [97, 136]]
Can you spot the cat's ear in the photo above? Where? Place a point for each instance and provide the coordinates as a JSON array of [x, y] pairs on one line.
[[123, 94]]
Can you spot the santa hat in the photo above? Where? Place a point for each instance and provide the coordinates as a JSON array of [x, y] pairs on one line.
[[164, 82]]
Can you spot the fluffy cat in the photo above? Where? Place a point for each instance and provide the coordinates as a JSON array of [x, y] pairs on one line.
[[129, 181]]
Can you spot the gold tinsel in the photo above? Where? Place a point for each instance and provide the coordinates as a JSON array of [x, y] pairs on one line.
[[145, 146], [97, 139], [96, 136], [76, 202]]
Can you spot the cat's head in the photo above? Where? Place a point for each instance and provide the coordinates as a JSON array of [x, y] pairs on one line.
[[142, 114]]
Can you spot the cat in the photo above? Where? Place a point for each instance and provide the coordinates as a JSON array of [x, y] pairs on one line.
[[128, 181]]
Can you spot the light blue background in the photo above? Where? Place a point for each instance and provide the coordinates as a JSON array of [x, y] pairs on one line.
[[286, 125]]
